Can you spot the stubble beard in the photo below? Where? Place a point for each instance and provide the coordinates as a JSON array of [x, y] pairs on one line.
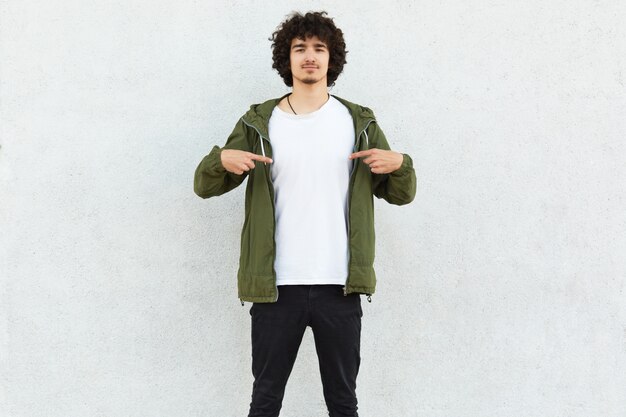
[[310, 80]]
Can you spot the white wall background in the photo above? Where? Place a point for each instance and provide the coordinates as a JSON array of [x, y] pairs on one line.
[[501, 288]]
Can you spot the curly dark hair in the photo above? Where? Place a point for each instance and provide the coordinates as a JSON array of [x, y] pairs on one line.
[[303, 27]]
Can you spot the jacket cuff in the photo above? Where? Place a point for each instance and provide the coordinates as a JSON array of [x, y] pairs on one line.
[[213, 161], [406, 167]]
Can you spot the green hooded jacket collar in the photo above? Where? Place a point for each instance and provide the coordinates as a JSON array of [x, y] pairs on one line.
[[259, 115]]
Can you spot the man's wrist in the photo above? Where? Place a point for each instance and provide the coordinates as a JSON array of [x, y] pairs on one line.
[[403, 163]]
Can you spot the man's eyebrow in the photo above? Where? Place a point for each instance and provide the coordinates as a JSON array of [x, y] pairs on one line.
[[302, 45]]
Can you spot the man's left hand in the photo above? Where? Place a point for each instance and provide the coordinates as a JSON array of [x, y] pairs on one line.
[[380, 161]]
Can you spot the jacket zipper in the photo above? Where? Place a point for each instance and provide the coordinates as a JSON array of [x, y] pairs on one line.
[[271, 189], [350, 187]]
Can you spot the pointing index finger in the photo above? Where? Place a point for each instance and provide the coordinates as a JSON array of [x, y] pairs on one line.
[[260, 158], [361, 153]]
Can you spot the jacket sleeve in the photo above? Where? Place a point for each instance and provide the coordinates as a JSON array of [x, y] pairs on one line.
[[211, 178], [399, 186]]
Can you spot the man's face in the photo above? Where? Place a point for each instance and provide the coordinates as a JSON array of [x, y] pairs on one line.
[[309, 60]]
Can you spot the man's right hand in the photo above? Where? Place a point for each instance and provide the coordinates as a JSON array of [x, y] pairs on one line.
[[238, 162]]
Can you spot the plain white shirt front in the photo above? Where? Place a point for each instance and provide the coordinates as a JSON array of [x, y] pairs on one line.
[[310, 174]]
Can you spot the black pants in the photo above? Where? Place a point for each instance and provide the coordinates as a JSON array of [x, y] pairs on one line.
[[277, 330]]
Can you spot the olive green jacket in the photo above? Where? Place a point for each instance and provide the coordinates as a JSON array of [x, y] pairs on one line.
[[256, 277]]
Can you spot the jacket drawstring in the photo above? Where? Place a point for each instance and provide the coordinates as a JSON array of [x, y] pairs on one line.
[[262, 147]]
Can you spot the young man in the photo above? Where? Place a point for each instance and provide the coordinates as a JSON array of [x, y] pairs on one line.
[[313, 162]]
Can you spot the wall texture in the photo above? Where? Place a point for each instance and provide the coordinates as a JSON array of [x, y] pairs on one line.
[[501, 288]]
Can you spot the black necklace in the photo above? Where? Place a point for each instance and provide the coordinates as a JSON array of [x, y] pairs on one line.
[[294, 112], [288, 102]]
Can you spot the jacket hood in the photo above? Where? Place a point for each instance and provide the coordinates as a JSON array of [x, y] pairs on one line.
[[259, 114]]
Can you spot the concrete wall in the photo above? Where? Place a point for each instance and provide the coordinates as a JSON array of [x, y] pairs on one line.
[[501, 288]]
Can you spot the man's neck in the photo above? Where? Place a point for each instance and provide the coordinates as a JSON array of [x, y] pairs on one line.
[[307, 98]]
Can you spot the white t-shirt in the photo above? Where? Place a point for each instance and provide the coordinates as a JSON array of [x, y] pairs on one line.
[[310, 174]]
